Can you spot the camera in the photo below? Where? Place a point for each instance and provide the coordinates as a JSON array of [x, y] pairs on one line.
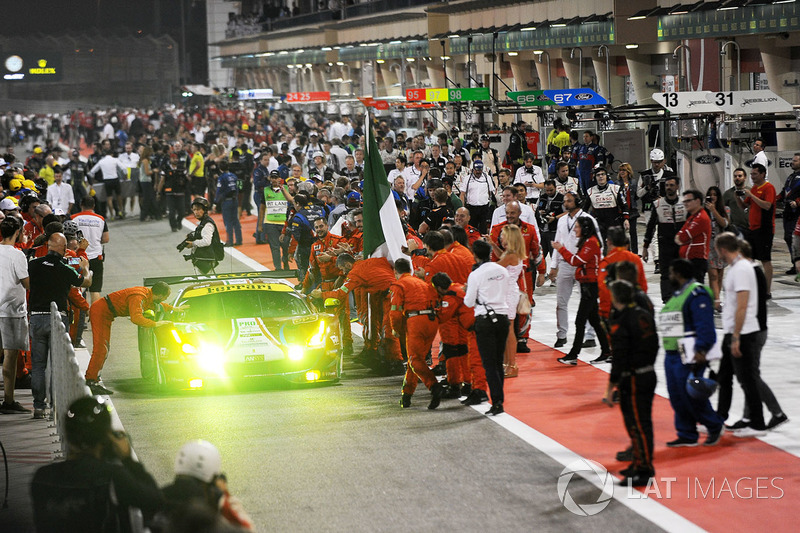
[[182, 246], [739, 193], [708, 199]]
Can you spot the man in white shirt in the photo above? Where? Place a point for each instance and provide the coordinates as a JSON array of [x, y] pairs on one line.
[[14, 281], [526, 212], [108, 167], [741, 345], [532, 177], [476, 195], [487, 288], [60, 195], [760, 154], [563, 272]]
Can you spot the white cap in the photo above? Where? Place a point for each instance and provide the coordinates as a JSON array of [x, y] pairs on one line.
[[6, 204], [318, 154], [58, 212], [656, 154], [199, 459]]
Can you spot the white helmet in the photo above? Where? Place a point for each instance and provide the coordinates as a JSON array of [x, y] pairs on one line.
[[199, 459], [656, 154]]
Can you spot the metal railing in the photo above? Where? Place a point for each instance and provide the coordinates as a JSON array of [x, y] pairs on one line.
[[66, 382]]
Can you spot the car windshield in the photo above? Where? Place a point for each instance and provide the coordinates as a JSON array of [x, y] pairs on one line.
[[244, 304]]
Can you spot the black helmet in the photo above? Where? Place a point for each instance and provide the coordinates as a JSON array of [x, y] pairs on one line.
[[88, 422], [699, 387], [484, 137], [202, 202]]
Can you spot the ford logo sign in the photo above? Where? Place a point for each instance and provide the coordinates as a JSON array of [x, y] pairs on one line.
[[543, 98], [584, 96], [707, 159]]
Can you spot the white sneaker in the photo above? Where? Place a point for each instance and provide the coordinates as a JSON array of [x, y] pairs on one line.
[[749, 432]]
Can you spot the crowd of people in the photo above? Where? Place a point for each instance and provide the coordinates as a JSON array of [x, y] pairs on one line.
[[483, 230]]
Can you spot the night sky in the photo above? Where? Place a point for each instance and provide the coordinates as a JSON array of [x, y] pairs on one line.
[[54, 17]]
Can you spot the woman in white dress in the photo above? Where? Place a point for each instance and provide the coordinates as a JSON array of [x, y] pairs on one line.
[[512, 259]]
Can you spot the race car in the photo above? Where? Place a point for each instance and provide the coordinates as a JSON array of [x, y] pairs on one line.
[[239, 325]]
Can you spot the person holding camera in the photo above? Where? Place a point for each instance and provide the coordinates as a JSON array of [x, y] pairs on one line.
[[200, 490], [131, 302], [173, 183], [204, 241], [487, 290], [98, 484]]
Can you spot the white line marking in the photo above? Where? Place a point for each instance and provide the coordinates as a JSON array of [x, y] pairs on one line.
[[648, 508]]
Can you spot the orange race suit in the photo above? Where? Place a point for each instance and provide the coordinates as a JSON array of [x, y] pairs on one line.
[[413, 315], [131, 302]]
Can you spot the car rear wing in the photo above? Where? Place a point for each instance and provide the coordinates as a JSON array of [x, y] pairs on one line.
[[194, 278]]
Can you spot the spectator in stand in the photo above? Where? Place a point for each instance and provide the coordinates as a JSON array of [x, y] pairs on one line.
[[790, 196], [719, 223], [694, 236], [760, 203], [14, 281]]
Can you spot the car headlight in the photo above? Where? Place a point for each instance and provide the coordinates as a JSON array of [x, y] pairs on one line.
[[211, 358], [295, 353], [318, 339]]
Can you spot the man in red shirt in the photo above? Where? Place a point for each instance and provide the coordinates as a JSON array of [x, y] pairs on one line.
[[462, 220], [373, 276], [694, 237], [617, 242], [760, 199], [413, 316], [323, 272]]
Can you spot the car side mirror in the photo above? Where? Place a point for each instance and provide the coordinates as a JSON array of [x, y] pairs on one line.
[[331, 303]]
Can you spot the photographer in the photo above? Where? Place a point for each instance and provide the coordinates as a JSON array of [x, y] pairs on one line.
[[76, 494], [204, 240], [174, 182]]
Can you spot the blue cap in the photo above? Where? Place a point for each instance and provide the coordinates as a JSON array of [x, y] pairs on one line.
[[477, 164], [353, 195]]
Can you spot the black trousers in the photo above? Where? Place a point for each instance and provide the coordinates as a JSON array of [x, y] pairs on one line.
[[491, 338], [175, 209], [479, 216], [746, 370], [700, 267], [588, 310], [667, 252], [636, 402]]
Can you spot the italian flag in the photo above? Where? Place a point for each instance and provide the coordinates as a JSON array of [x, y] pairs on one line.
[[383, 232]]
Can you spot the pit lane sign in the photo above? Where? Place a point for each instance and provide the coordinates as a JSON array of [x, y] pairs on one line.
[[559, 97], [730, 102]]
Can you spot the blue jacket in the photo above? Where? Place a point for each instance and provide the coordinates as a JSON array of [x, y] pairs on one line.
[[698, 315], [226, 187], [260, 181]]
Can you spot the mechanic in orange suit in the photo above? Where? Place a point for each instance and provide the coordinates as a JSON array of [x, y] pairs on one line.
[[454, 320], [443, 261], [374, 276], [617, 242], [131, 302], [413, 315], [323, 272]]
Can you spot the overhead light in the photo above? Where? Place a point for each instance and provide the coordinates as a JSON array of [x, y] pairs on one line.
[[300, 51], [308, 65], [363, 44], [395, 42], [337, 47], [380, 61], [528, 28], [632, 46], [538, 52], [282, 52], [326, 48], [512, 54], [445, 58], [270, 54], [410, 59], [374, 44], [340, 63], [453, 36], [783, 2], [732, 4]]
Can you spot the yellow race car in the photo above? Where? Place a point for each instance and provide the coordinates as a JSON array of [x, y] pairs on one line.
[[240, 325]]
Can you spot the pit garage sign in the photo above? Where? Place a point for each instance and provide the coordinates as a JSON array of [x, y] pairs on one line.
[[730, 102], [31, 67]]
